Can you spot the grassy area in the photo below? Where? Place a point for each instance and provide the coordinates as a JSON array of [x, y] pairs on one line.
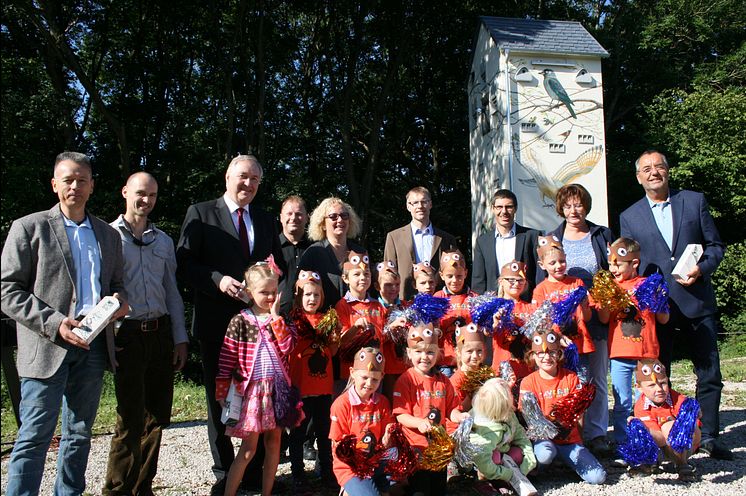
[[188, 405]]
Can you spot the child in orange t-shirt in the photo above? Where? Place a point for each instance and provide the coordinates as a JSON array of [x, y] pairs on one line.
[[453, 272], [469, 357], [361, 317], [362, 411], [509, 344], [557, 286], [423, 397], [311, 372], [631, 332], [387, 284], [549, 383], [658, 407]]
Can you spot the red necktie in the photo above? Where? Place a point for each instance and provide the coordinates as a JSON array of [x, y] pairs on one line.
[[243, 234]]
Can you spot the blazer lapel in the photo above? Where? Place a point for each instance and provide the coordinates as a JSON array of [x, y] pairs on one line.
[[224, 217], [58, 229], [677, 213], [436, 244]]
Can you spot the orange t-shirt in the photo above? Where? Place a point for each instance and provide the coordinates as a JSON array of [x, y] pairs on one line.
[[350, 415], [652, 415], [549, 391], [501, 342], [349, 312], [394, 363], [633, 338], [556, 291], [459, 311], [456, 379], [311, 366], [415, 394]]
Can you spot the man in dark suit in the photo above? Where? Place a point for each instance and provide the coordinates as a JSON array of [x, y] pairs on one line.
[[219, 240], [664, 222], [57, 265], [416, 242], [506, 242]]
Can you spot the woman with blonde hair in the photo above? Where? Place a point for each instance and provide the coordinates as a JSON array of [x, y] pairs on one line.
[[332, 225]]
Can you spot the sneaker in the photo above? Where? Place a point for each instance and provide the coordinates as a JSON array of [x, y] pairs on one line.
[[601, 447], [619, 462], [309, 452], [687, 472], [714, 449]]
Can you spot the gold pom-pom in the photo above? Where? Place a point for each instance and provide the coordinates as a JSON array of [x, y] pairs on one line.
[[439, 452], [607, 294], [475, 378], [328, 328]]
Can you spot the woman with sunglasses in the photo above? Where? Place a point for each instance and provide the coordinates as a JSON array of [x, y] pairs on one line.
[[332, 225], [584, 244]]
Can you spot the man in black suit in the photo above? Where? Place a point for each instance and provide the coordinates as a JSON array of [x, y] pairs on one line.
[[219, 240], [498, 246], [664, 222]]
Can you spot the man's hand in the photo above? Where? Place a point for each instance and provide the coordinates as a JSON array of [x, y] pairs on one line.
[[691, 277], [180, 356], [124, 308], [67, 334], [231, 287]]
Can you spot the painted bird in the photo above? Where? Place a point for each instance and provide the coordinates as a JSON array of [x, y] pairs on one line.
[[549, 183], [556, 91]]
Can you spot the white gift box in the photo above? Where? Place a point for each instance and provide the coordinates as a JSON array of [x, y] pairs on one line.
[[232, 409], [686, 263], [97, 319], [520, 482]]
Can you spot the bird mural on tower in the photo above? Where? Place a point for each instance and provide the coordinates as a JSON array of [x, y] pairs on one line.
[[556, 91], [549, 183]]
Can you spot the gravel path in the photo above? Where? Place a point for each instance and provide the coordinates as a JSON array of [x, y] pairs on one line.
[[185, 463]]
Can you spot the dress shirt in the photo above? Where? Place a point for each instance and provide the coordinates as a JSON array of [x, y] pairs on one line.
[[423, 242], [233, 207], [150, 277], [663, 219], [504, 248], [87, 262]]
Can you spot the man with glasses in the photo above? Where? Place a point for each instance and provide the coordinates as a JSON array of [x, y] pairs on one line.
[[219, 240], [507, 241], [665, 222], [151, 343], [416, 242]]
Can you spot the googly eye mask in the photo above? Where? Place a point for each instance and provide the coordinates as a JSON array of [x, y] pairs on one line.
[[307, 277], [423, 267], [452, 259], [370, 361], [542, 342], [423, 334], [547, 243], [386, 266], [649, 369], [469, 332], [357, 260], [513, 268], [617, 252]]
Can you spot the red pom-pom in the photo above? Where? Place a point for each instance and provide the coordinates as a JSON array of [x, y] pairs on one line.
[[405, 463], [568, 410], [363, 464]]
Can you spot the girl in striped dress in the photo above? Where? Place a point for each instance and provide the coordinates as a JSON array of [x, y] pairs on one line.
[[253, 357]]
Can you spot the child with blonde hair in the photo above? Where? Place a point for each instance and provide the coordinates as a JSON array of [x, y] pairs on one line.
[[497, 432], [253, 358]]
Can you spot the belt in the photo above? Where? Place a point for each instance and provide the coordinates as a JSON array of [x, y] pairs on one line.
[[146, 325]]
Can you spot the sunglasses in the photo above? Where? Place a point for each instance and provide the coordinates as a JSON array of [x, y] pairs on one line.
[[334, 216]]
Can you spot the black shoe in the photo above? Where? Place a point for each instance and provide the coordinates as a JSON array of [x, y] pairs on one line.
[[218, 489], [714, 449], [309, 452]]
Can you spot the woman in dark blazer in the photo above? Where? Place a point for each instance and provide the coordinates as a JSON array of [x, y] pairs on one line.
[[585, 247]]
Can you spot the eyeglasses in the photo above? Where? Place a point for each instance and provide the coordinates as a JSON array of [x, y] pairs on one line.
[[421, 203], [647, 170], [577, 206], [334, 216], [513, 281], [542, 354], [507, 208]]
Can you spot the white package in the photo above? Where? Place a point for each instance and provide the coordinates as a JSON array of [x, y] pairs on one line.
[[686, 263], [232, 409], [520, 482], [97, 319]]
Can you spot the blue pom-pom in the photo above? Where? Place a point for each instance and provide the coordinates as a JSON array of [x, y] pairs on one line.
[[640, 447], [430, 309], [483, 309], [572, 360], [564, 310], [652, 294], [682, 431]]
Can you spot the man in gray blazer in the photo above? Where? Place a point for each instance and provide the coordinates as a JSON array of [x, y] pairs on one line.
[[416, 242], [57, 265], [664, 222]]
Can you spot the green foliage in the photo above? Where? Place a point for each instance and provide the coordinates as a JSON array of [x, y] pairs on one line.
[[730, 281]]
